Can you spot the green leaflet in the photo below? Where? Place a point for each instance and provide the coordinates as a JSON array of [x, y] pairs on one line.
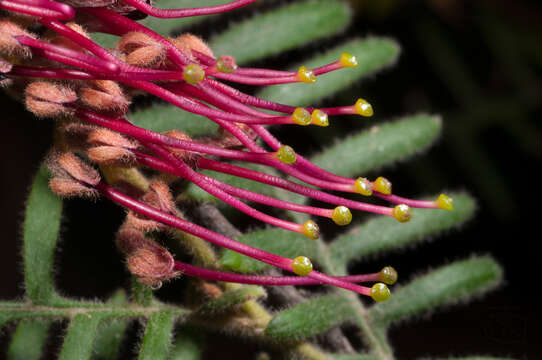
[[187, 345], [381, 145], [161, 118], [282, 29], [157, 338], [309, 318], [444, 286], [384, 233], [373, 54], [277, 241], [28, 340], [80, 337], [111, 332], [40, 231]]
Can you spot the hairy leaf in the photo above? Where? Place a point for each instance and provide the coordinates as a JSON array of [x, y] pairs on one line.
[[80, 337], [40, 233], [157, 338], [447, 285], [309, 318], [28, 340], [283, 29], [381, 145]]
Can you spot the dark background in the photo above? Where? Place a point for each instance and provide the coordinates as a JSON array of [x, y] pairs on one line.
[[478, 64]]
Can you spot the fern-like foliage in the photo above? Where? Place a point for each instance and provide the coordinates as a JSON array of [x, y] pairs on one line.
[[96, 329]]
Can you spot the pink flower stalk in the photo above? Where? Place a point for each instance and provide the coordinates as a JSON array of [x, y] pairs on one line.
[[90, 88]]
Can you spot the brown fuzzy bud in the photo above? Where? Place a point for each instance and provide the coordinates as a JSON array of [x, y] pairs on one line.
[[72, 188], [158, 197], [141, 50], [46, 99], [147, 260], [192, 42], [104, 95], [187, 156], [78, 169], [8, 44], [107, 137], [111, 155], [67, 43], [5, 66]]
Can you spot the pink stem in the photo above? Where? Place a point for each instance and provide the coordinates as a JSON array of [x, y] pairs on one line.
[[186, 172], [37, 8], [164, 140], [93, 63], [248, 80], [427, 204], [180, 13], [238, 171], [204, 273], [217, 239], [120, 25], [160, 165]]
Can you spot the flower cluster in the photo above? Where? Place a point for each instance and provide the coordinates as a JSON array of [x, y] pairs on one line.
[[61, 73]]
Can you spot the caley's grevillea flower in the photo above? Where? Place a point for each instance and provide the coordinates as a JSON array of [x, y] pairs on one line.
[[48, 60]]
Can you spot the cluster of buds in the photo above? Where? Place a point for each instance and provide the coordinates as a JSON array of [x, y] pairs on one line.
[[62, 74]]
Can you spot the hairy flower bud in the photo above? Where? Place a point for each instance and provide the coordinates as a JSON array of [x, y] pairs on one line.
[[187, 42], [111, 155], [158, 197], [141, 50], [71, 188], [46, 99], [147, 260], [104, 95], [107, 137], [9, 46]]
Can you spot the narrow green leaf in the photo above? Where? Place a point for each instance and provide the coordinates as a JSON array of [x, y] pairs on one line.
[[167, 26], [447, 285], [232, 298], [277, 241], [80, 337], [373, 54], [28, 340], [157, 338], [282, 29], [381, 145], [187, 345], [40, 233], [385, 233], [111, 332], [161, 118], [310, 318]]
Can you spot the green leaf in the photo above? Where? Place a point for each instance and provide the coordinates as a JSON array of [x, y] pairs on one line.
[[40, 233], [232, 298], [385, 233], [277, 241], [157, 338], [28, 340], [110, 333], [352, 357], [475, 358], [373, 54], [186, 346], [80, 337], [449, 284], [381, 145], [282, 29], [161, 118], [309, 318]]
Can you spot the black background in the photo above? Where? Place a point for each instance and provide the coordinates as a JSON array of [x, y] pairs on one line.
[[498, 45]]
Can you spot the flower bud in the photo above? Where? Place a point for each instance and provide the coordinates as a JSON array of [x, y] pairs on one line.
[[9, 46], [141, 50], [46, 99], [71, 188], [111, 155], [186, 42], [104, 95]]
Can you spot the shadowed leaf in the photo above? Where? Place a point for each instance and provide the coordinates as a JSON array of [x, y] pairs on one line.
[[28, 340]]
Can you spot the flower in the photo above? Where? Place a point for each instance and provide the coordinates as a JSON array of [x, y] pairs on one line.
[[89, 91]]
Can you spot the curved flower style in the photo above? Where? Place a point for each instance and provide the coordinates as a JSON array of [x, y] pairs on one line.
[[63, 74]]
